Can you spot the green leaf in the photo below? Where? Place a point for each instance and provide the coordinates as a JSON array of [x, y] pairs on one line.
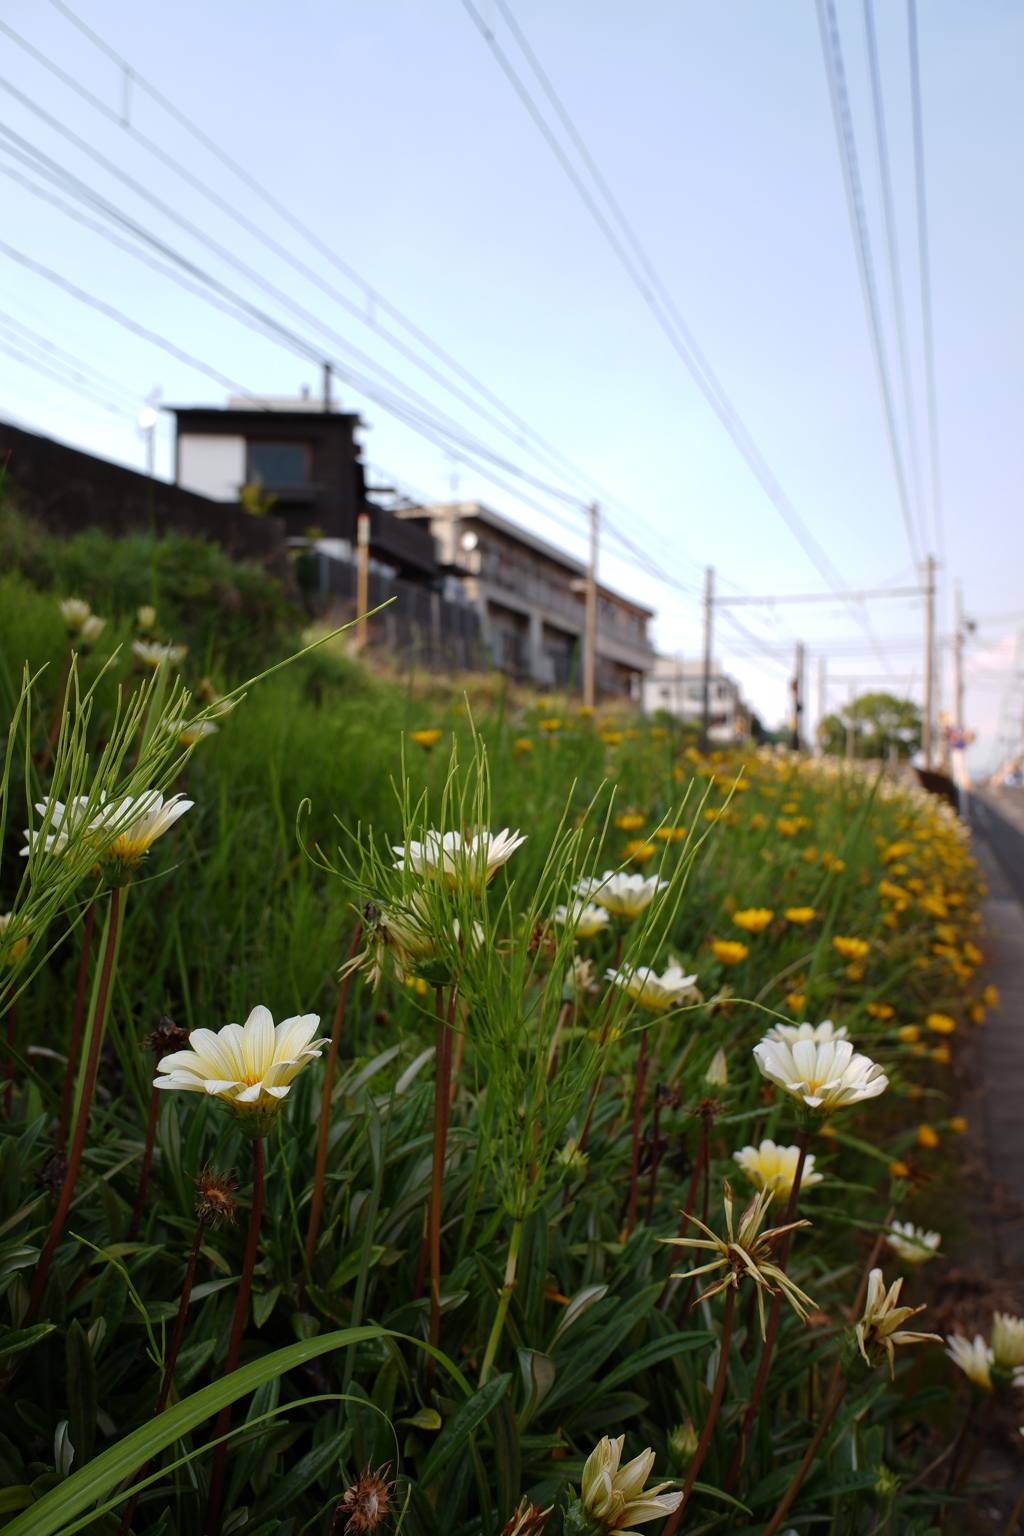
[[86, 1487], [508, 1459], [718, 1493], [15, 1498], [82, 1400], [652, 1353], [841, 1482], [23, 1338], [424, 1418], [302, 1475], [263, 1304], [349, 1267], [461, 1425]]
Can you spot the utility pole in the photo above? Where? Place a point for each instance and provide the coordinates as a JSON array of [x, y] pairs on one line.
[[327, 386], [929, 663], [590, 621], [362, 578], [709, 599], [958, 657], [819, 746], [796, 737], [851, 729]]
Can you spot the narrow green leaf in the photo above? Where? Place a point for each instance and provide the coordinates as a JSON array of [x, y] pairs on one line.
[[23, 1338], [461, 1425], [15, 1498], [82, 1400], [302, 1475]]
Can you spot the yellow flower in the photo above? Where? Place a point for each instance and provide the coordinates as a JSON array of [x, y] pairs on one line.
[[941, 1024], [790, 807], [774, 1168], [16, 947], [585, 711], [670, 834], [753, 919], [977, 1012], [899, 1169], [520, 745], [786, 828], [613, 1497], [850, 949], [910, 1034], [960, 1125], [973, 953], [896, 851], [926, 1137], [426, 739], [550, 725], [630, 821], [249, 1068], [795, 1001], [611, 738], [639, 850], [799, 915], [990, 996], [933, 905], [757, 821], [729, 951], [881, 1010], [890, 892], [809, 855], [658, 732]]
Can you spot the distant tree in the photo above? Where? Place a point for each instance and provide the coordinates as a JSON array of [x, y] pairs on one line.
[[884, 726]]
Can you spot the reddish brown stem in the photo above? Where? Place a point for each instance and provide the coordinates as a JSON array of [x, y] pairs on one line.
[[638, 1106], [317, 1201], [235, 1343], [803, 1140], [673, 1520], [76, 1029], [808, 1461], [171, 1362], [147, 1160], [82, 1123]]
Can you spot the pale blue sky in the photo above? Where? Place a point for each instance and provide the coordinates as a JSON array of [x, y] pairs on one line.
[[392, 132]]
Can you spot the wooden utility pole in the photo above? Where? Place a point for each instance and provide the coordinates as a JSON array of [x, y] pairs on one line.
[[927, 732], [709, 601], [851, 728], [590, 621], [327, 387], [819, 733], [362, 578]]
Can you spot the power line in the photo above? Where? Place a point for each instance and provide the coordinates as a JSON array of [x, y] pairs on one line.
[[836, 74], [924, 264], [76, 383], [893, 257]]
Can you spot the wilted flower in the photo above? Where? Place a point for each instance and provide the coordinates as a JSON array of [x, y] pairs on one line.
[[528, 1520], [754, 919], [729, 951], [165, 1036], [365, 1504], [774, 1168], [145, 617], [821, 1033], [586, 917], [973, 1358], [745, 1254], [474, 858], [152, 654], [249, 1068], [612, 1497], [623, 895], [214, 1202], [913, 1245], [717, 1073], [658, 993], [881, 1326], [821, 1078], [138, 822], [579, 977]]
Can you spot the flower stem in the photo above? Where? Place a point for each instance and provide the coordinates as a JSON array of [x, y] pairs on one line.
[[82, 1122], [317, 1202], [808, 1461], [76, 1029], [442, 1075], [171, 1361], [638, 1105], [235, 1342], [515, 1238], [803, 1141], [671, 1524]]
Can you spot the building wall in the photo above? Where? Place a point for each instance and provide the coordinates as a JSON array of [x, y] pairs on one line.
[[677, 688]]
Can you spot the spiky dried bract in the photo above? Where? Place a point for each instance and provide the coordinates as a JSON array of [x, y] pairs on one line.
[[881, 1326], [745, 1253], [214, 1198], [165, 1036], [528, 1520], [365, 1504]]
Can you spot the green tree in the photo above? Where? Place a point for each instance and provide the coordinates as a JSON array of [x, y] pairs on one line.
[[884, 726]]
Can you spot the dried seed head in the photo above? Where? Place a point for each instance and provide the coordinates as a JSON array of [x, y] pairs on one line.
[[214, 1202], [365, 1504], [53, 1172], [164, 1037], [528, 1520]]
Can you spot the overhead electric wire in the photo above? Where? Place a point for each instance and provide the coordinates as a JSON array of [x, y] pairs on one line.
[[893, 261], [924, 263], [836, 74], [24, 335], [78, 385]]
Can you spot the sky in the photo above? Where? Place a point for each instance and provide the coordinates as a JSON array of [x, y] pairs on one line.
[[391, 132]]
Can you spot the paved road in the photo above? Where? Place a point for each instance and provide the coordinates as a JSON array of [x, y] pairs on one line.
[[998, 814]]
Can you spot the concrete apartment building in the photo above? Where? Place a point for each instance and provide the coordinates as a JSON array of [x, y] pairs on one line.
[[529, 598], [677, 687]]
